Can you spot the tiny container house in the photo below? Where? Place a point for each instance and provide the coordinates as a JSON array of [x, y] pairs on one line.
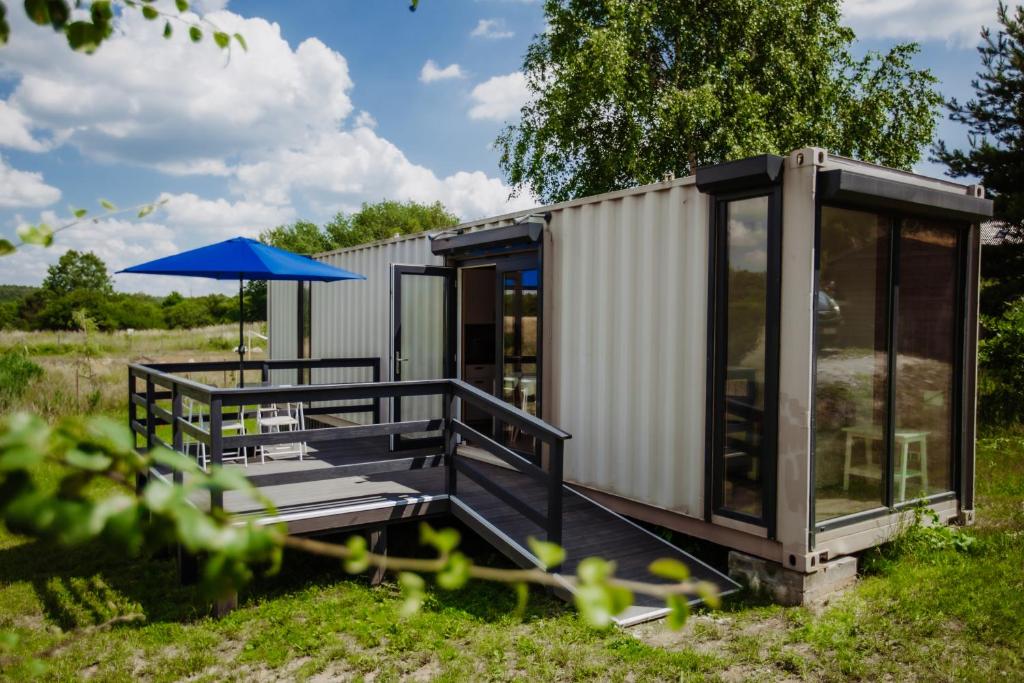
[[776, 354]]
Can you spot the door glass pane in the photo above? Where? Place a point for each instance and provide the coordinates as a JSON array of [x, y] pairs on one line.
[[746, 244], [519, 315], [924, 362], [851, 377], [422, 333]]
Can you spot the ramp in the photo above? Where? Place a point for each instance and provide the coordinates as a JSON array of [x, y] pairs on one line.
[[589, 529]]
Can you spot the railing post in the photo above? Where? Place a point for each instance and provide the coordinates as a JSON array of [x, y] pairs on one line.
[[150, 417], [177, 437], [376, 379], [216, 448], [133, 416], [555, 492], [448, 402], [265, 373]]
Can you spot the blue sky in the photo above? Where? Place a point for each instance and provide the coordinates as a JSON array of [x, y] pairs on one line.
[[335, 103]]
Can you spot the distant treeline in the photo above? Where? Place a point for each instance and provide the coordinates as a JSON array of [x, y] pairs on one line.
[[80, 282]]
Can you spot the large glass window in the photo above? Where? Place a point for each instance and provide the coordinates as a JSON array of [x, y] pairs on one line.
[[925, 354], [852, 312], [741, 412], [884, 394]]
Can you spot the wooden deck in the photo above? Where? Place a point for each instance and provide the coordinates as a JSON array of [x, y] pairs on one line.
[[359, 483]]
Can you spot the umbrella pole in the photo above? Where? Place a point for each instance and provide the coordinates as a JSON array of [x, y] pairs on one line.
[[241, 334]]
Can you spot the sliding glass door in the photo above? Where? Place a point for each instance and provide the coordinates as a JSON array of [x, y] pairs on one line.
[[887, 312]]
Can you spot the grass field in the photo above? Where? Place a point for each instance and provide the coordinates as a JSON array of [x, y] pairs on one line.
[[930, 606]]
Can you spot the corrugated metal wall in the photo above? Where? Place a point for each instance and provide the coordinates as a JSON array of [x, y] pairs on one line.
[[626, 315], [625, 328], [282, 326], [353, 318]]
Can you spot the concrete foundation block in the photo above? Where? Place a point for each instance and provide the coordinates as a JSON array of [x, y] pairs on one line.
[[788, 587]]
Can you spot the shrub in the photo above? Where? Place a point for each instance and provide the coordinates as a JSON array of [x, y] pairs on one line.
[[1001, 361], [188, 314], [17, 371]]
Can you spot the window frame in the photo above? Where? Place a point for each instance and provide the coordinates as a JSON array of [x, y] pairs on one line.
[[960, 409], [717, 351]]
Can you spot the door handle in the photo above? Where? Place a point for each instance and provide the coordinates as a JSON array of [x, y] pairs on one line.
[[398, 364]]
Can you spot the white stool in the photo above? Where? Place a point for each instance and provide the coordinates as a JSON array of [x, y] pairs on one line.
[[871, 469]]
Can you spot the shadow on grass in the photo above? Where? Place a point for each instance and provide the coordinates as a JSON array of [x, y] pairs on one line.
[[86, 585]]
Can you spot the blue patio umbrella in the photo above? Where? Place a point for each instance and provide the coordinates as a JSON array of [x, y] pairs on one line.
[[244, 259]]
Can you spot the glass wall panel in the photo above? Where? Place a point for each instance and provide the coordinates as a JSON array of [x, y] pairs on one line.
[[926, 353], [520, 306], [852, 364], [742, 426]]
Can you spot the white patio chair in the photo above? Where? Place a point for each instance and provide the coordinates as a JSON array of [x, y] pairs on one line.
[[289, 417], [195, 414]]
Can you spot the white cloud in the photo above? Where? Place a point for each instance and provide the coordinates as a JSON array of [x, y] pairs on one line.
[[182, 222], [957, 22], [347, 167], [365, 120], [199, 220], [175, 105], [499, 98], [275, 122], [492, 29], [432, 72], [24, 188], [16, 130]]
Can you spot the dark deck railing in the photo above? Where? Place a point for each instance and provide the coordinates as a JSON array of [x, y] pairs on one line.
[[162, 383]]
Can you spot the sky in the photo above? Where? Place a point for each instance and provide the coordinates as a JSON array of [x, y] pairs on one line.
[[336, 103]]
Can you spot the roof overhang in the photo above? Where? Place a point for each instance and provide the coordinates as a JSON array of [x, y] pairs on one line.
[[869, 191], [743, 174], [447, 244]]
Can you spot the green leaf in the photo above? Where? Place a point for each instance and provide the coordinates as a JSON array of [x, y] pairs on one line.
[[522, 599], [158, 495], [445, 540], [85, 460], [241, 41], [594, 570], [679, 611], [412, 592], [358, 561], [550, 554], [149, 12], [222, 39], [174, 460], [595, 605], [708, 592], [6, 247], [41, 234], [146, 210], [59, 13], [5, 28], [83, 36], [111, 434], [226, 479], [456, 572], [38, 11], [182, 5], [669, 568], [108, 205], [195, 33], [79, 213], [168, 31]]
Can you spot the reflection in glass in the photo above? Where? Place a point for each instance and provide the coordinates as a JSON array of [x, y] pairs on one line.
[[746, 244], [924, 360], [520, 305], [851, 376]]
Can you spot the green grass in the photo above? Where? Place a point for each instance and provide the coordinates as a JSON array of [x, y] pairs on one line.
[[918, 613]]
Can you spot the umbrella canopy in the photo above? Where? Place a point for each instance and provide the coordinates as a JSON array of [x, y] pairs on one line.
[[243, 259]]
